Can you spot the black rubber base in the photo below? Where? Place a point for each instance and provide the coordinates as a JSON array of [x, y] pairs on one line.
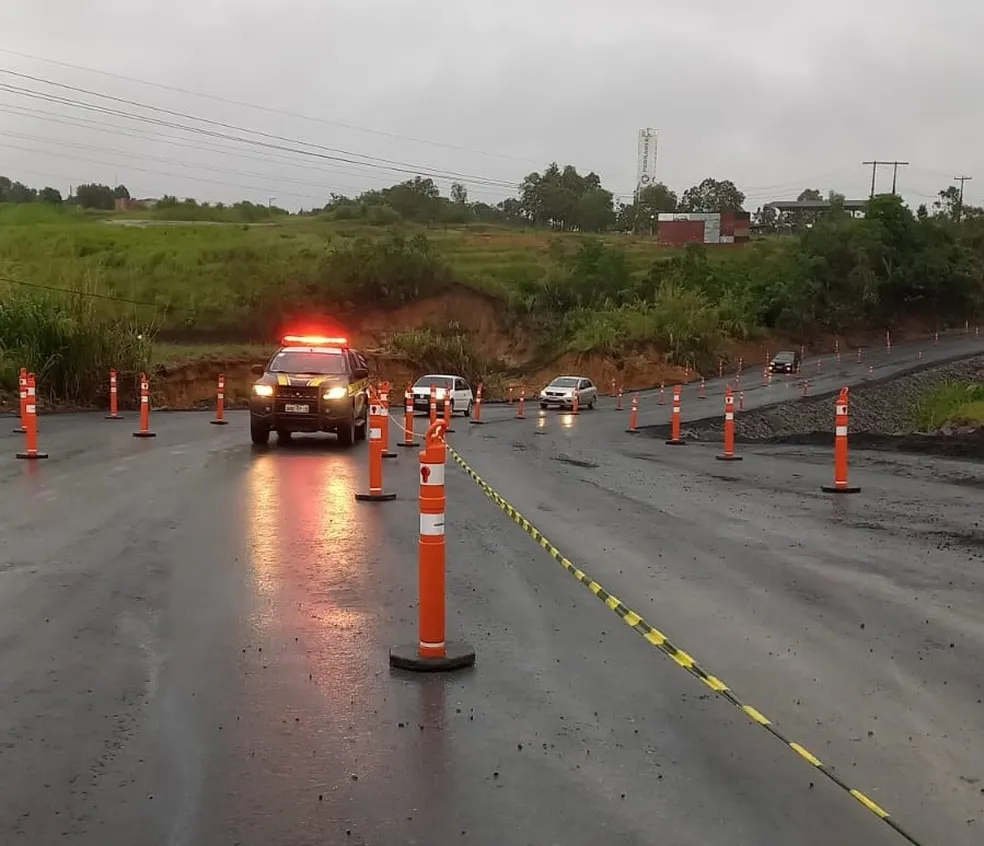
[[32, 456], [145, 434], [632, 431], [115, 417], [676, 442], [219, 422], [728, 457], [457, 656], [477, 422], [404, 444], [539, 432], [389, 455], [701, 397], [21, 431], [449, 431], [832, 489], [368, 497]]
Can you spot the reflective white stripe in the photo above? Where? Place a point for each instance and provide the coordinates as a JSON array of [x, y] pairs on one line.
[[375, 434], [434, 477], [221, 395], [144, 399], [112, 389], [842, 409], [432, 524], [428, 645], [376, 410], [30, 391], [842, 431], [729, 415], [31, 408]]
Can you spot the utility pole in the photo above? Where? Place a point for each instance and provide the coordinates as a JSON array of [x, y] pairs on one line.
[[961, 180], [874, 171]]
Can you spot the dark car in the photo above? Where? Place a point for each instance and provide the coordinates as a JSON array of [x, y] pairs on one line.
[[786, 361], [311, 384]]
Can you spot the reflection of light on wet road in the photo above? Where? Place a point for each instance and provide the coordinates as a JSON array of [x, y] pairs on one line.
[[262, 521], [567, 420], [541, 421]]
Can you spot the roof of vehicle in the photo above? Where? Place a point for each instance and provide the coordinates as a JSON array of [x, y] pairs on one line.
[[439, 376], [784, 354], [556, 378]]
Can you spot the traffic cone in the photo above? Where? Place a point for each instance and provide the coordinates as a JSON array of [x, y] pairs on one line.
[[448, 410], [220, 404], [840, 448], [634, 416], [521, 410], [729, 429], [22, 390], [114, 403], [618, 401], [675, 439], [407, 418], [432, 652], [376, 447], [384, 420], [477, 410], [31, 423], [144, 410]]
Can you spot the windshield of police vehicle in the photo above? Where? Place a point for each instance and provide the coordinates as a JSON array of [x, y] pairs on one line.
[[436, 381], [563, 382], [301, 361]]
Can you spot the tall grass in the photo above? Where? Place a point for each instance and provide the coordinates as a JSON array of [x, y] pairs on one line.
[[449, 352], [951, 402], [69, 341]]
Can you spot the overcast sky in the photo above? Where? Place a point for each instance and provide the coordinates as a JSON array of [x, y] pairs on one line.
[[776, 95]]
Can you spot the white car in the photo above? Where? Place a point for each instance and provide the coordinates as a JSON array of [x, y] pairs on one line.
[[560, 392], [462, 398]]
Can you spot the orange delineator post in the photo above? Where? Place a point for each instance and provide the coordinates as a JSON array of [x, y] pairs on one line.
[[576, 402], [662, 397], [613, 392], [433, 405], [618, 402], [31, 422], [22, 386], [634, 416], [521, 411], [220, 404], [376, 413], [114, 400], [729, 429], [432, 652], [407, 418], [384, 422], [477, 409], [840, 484], [701, 394], [675, 439], [144, 410], [448, 411]]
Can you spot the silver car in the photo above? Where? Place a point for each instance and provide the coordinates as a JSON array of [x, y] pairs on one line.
[[560, 392]]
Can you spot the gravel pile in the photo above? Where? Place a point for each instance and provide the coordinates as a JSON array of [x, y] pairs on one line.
[[879, 408]]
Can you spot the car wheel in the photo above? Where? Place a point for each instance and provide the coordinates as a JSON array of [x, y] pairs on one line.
[[259, 434], [468, 408], [346, 433], [591, 404]]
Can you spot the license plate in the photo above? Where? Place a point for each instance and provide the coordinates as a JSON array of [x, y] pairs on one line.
[[295, 408]]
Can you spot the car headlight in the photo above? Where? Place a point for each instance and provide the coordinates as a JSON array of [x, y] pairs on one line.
[[338, 392], [263, 390]]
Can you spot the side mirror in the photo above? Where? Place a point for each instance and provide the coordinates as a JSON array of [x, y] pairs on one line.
[[256, 369], [361, 374]]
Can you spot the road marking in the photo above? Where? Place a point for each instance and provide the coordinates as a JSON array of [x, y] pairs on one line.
[[663, 644]]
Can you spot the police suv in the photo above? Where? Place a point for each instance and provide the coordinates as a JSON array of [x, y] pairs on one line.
[[311, 384]]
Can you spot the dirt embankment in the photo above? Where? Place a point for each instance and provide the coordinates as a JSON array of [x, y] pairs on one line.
[[880, 417]]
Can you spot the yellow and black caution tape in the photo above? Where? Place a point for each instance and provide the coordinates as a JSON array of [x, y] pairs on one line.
[[655, 637]]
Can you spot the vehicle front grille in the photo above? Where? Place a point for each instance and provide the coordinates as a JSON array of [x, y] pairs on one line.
[[292, 392]]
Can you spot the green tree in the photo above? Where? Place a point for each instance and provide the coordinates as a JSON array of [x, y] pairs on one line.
[[711, 196], [120, 192], [52, 196], [459, 194], [94, 196]]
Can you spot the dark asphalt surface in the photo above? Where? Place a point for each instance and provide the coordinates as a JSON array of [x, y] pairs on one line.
[[194, 642]]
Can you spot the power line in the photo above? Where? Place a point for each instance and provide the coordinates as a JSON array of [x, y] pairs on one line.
[[268, 109], [329, 152], [91, 294]]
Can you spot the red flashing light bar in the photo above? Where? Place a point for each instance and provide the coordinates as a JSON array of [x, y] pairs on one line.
[[314, 341]]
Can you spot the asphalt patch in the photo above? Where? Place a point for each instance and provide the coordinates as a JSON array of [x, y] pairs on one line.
[[576, 462]]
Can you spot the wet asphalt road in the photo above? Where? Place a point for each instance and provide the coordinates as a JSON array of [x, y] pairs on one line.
[[194, 639]]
